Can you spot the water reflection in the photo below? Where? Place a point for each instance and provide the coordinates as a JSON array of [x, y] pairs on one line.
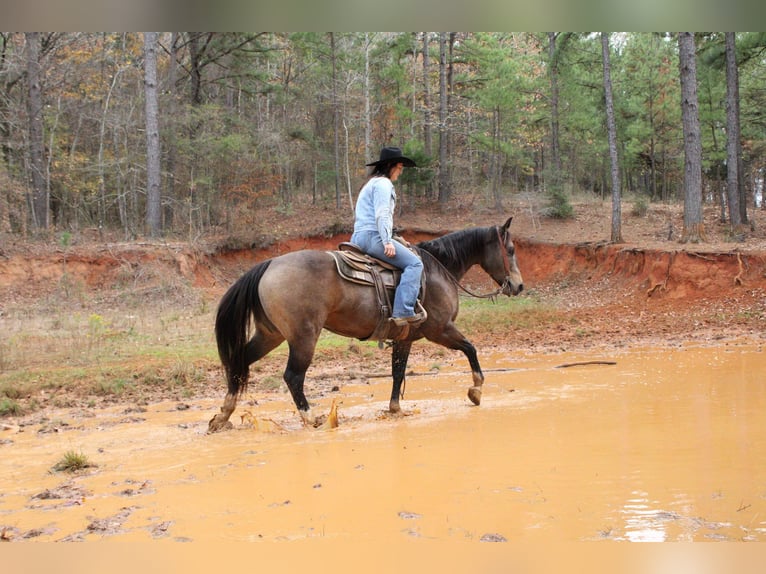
[[643, 523]]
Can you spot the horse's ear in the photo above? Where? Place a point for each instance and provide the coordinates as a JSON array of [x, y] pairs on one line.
[[507, 224]]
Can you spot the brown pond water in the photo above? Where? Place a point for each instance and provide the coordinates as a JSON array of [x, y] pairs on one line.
[[666, 445]]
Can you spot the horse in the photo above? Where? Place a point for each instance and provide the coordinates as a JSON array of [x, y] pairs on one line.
[[292, 297]]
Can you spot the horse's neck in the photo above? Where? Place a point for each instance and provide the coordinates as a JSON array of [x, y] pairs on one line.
[[458, 268]]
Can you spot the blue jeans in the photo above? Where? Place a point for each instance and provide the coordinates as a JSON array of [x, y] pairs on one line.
[[412, 268]]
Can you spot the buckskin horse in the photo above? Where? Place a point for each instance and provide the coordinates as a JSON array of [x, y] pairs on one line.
[[294, 296]]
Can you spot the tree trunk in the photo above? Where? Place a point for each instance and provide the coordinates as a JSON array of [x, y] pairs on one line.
[[39, 201], [611, 129], [694, 231], [195, 71], [427, 139], [153, 177], [497, 167], [733, 141], [170, 180], [335, 118], [6, 192], [553, 76], [450, 106], [100, 165], [444, 180], [367, 115]]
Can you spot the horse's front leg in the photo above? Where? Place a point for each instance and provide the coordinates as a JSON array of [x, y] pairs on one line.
[[474, 392], [399, 356], [452, 338]]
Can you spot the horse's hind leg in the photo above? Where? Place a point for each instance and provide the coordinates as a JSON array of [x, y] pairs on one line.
[[221, 420], [258, 347], [451, 338]]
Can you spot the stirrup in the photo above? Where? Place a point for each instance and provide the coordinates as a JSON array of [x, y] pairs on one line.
[[415, 319]]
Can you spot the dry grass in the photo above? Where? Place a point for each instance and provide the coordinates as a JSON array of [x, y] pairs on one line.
[[64, 357], [72, 461]]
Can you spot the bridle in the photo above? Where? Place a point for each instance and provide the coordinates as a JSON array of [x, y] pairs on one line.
[[506, 267], [506, 263]]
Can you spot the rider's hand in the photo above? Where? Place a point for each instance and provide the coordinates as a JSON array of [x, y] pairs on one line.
[[389, 249]]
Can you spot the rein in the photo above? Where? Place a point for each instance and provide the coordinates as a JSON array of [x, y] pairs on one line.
[[496, 292]]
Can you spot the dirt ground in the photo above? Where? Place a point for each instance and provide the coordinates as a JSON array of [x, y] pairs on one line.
[[649, 288]]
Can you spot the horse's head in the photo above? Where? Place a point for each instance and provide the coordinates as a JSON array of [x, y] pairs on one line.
[[500, 260]]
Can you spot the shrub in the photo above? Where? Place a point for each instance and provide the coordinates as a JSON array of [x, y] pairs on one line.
[[72, 462], [640, 207], [558, 205]]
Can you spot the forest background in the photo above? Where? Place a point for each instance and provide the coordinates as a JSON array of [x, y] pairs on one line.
[[191, 134]]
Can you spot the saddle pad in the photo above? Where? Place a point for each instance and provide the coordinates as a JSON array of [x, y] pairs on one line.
[[359, 268]]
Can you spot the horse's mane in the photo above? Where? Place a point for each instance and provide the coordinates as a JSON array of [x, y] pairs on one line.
[[458, 250]]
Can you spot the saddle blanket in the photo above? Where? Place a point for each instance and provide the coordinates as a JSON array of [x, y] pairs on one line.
[[358, 267]]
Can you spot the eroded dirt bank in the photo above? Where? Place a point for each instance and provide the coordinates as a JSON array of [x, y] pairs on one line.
[[677, 273], [673, 273], [595, 293]]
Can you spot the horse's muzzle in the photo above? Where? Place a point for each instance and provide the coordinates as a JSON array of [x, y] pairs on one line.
[[510, 288]]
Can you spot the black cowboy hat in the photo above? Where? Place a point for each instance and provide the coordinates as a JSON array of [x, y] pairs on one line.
[[393, 155]]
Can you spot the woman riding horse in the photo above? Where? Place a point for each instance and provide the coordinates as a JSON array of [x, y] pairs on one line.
[[294, 296], [374, 231]]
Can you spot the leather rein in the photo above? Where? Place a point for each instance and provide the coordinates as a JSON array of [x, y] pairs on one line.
[[506, 268]]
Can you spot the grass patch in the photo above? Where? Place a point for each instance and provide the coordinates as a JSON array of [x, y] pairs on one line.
[[10, 407], [107, 387], [183, 373], [72, 461], [505, 315], [269, 383]]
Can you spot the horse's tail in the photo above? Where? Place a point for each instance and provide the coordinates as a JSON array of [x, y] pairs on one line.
[[232, 326]]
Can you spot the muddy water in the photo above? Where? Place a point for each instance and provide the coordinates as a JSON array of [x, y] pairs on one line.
[[666, 445]]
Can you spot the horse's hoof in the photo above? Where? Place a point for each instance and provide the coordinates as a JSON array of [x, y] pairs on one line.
[[215, 425], [474, 393], [308, 419]]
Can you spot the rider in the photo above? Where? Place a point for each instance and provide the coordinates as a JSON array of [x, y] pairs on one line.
[[373, 232]]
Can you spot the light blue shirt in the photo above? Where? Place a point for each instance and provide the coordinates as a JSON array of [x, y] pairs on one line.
[[375, 208]]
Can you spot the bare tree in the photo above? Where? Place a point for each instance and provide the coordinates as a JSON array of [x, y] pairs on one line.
[[553, 76], [335, 117], [153, 176], [367, 115], [427, 143], [444, 177], [39, 203], [557, 42], [734, 186], [171, 144], [611, 129], [694, 230]]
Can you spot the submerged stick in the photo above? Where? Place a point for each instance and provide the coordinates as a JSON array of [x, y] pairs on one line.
[[582, 363]]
